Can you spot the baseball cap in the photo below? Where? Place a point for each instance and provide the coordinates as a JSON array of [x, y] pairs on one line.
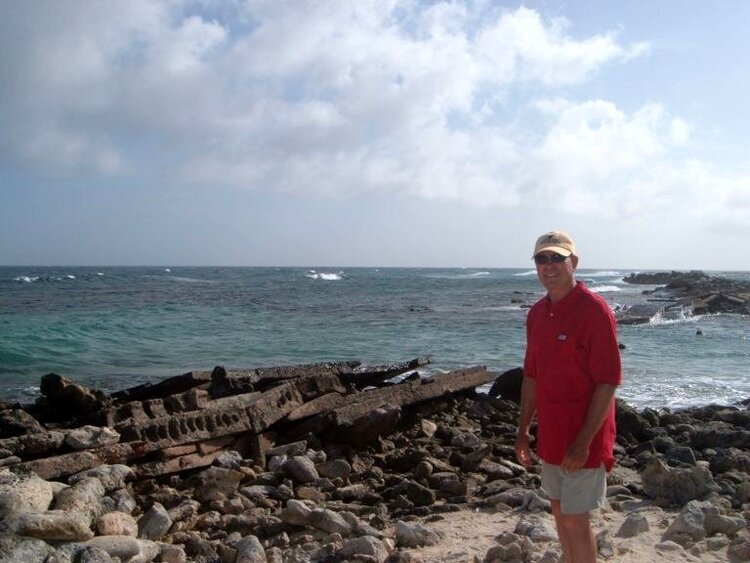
[[555, 241]]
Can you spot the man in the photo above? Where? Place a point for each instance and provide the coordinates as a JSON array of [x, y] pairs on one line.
[[571, 371]]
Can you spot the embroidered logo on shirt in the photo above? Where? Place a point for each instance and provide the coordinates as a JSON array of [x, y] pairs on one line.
[[562, 337]]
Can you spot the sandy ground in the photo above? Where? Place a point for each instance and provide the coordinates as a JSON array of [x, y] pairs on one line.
[[469, 534]]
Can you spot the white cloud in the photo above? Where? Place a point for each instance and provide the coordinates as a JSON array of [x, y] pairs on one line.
[[342, 98]]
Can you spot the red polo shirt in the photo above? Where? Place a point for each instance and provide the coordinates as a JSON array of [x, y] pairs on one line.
[[571, 348]]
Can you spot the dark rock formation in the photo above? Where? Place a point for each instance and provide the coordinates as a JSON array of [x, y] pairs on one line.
[[694, 293]]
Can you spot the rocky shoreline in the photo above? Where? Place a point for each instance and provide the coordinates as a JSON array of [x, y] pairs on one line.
[[365, 486], [687, 293]]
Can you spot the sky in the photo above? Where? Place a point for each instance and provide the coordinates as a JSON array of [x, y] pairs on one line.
[[374, 132]]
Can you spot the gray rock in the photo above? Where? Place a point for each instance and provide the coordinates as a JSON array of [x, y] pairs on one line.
[[413, 534], [689, 524], [633, 525], [52, 525], [155, 523], [112, 477], [739, 550], [291, 449], [676, 484], [217, 483], [23, 493], [83, 497], [122, 547], [228, 459], [90, 437], [365, 545], [296, 513], [23, 549], [718, 523], [335, 468], [173, 554], [92, 554], [250, 550], [329, 521], [536, 529], [301, 469]]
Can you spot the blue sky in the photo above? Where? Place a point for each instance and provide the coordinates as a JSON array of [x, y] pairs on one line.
[[373, 133]]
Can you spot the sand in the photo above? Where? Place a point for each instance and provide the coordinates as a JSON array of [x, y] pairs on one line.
[[470, 533]]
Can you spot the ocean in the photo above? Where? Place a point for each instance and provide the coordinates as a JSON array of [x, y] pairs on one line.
[[116, 327]]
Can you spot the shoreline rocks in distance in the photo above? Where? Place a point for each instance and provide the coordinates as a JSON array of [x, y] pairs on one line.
[[691, 293]]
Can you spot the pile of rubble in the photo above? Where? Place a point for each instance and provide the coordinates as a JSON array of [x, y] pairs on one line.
[[332, 463]]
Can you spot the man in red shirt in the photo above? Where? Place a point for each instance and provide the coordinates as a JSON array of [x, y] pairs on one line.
[[571, 371]]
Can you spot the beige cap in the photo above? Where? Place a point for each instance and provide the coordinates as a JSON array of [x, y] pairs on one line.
[[555, 241]]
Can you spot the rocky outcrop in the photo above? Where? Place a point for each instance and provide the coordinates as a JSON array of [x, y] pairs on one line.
[[693, 293]]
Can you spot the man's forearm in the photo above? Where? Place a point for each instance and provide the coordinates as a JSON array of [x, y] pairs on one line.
[[528, 404], [598, 408]]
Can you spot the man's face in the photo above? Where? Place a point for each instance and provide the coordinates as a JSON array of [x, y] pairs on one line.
[[556, 276]]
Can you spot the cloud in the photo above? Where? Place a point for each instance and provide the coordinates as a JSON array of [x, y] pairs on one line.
[[341, 98]]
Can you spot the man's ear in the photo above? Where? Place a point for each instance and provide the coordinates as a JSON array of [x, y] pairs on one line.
[[574, 261]]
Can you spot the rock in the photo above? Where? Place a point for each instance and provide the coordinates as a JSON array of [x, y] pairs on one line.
[[16, 422], [250, 550], [329, 521], [536, 529], [633, 525], [296, 513], [84, 497], [335, 469], [25, 492], [90, 437], [739, 550], [112, 477], [365, 545], [71, 398], [155, 523], [52, 525], [689, 525], [508, 385], [117, 524], [413, 534], [24, 549], [217, 483], [678, 485], [301, 469]]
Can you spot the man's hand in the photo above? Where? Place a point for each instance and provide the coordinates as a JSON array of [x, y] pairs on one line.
[[523, 450], [575, 457]]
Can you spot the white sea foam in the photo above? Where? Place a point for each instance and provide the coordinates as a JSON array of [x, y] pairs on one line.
[[327, 276], [167, 270], [529, 273], [100, 273], [26, 279], [605, 288], [601, 274]]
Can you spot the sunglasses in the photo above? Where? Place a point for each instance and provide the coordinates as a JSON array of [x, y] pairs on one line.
[[541, 259]]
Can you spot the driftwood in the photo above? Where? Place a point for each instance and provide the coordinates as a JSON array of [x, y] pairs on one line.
[[185, 422]]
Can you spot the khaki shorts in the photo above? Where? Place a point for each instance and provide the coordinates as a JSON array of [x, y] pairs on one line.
[[578, 491]]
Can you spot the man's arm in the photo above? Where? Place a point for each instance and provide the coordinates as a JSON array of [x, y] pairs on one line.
[[578, 452], [528, 410]]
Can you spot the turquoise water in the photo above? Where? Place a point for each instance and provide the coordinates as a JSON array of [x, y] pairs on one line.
[[116, 327]]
